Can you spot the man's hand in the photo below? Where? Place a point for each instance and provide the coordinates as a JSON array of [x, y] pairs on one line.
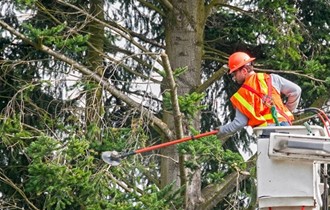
[[219, 134], [223, 137]]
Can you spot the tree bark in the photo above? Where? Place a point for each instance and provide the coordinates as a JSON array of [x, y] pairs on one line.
[[184, 46], [94, 107]]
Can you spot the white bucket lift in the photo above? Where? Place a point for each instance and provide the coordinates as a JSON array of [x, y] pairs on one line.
[[288, 167]]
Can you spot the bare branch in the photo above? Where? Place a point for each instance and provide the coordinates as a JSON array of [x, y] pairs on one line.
[[223, 3], [167, 4], [174, 96], [223, 70], [132, 33], [214, 193], [153, 7], [120, 31], [117, 62], [216, 76], [126, 185], [289, 72], [6, 180], [211, 5], [154, 121], [133, 55]]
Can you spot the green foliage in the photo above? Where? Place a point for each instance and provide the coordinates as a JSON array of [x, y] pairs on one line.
[[64, 175], [153, 198], [54, 174], [209, 150], [280, 30], [327, 81], [45, 35], [178, 71], [167, 103], [317, 70], [189, 103], [113, 139], [42, 148], [12, 132], [26, 3], [49, 153], [13, 160], [55, 36], [156, 198]]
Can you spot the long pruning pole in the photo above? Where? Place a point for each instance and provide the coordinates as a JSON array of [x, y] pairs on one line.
[[113, 158]]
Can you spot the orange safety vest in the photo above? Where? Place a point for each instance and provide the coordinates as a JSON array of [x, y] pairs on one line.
[[251, 100]]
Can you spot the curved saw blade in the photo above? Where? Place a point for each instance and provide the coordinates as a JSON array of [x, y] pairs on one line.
[[111, 157]]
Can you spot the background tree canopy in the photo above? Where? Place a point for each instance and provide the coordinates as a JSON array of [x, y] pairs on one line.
[[82, 77]]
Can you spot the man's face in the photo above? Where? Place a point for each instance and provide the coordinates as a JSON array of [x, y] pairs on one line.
[[239, 75]]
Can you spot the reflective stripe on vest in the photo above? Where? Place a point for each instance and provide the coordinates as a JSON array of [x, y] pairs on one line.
[[262, 82], [247, 105], [252, 105], [266, 117]]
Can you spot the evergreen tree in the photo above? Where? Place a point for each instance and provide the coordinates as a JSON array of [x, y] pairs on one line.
[[82, 77]]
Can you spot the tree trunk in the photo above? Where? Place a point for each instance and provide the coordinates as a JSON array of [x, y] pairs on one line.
[[94, 105], [184, 46]]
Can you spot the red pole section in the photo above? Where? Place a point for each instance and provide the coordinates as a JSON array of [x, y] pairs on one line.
[[158, 146]]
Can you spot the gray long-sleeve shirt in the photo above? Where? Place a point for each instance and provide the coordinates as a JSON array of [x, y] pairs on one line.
[[282, 85]]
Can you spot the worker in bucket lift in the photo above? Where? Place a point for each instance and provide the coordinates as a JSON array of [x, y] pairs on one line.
[[258, 101]]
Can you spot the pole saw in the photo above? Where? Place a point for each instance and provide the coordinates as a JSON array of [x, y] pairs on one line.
[[113, 157]]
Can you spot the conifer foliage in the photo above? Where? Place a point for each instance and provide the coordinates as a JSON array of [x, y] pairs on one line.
[[79, 77]]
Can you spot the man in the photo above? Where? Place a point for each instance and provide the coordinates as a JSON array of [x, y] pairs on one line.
[[258, 101]]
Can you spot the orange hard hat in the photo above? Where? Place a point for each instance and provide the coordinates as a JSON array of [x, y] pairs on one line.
[[237, 60]]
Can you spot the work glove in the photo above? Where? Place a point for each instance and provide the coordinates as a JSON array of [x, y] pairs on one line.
[[219, 134], [222, 136]]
